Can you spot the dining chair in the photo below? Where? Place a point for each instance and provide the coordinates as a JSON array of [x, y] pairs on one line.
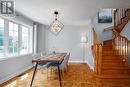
[[41, 65], [62, 66], [66, 62]]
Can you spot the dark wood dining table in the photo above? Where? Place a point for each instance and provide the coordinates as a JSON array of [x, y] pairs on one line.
[[53, 58]]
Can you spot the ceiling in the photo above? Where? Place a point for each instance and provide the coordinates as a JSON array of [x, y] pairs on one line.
[[71, 12]]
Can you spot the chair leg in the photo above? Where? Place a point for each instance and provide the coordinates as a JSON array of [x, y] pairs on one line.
[[52, 71], [62, 71], [47, 73], [65, 69]]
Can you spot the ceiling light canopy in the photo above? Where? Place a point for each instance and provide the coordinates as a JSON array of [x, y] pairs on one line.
[[56, 26]]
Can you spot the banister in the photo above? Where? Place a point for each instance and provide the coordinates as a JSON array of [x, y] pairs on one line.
[[97, 52], [120, 44], [119, 14]]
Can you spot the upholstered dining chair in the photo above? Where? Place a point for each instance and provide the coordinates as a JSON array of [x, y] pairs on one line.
[[63, 66], [41, 65]]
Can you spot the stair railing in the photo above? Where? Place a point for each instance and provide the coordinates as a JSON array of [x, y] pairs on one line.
[[97, 52], [118, 15], [120, 44]]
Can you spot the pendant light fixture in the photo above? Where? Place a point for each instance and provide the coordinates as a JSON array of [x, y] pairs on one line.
[[56, 26]]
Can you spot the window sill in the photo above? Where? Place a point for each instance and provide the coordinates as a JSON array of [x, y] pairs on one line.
[[13, 57]]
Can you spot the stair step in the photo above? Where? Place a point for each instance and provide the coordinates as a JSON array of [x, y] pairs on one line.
[[112, 61], [107, 48], [116, 68], [107, 42], [114, 72], [109, 54], [108, 51], [113, 76], [110, 57], [112, 64], [106, 80], [129, 71]]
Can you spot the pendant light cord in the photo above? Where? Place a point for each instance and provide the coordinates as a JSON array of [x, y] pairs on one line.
[[56, 14]]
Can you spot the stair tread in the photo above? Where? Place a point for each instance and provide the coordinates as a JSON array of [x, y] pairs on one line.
[[110, 55], [116, 68], [111, 61], [113, 76], [113, 65]]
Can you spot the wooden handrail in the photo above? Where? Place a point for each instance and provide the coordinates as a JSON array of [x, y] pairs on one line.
[[97, 52], [120, 44], [95, 37], [119, 14]]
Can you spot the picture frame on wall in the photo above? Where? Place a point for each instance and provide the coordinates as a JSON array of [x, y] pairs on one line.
[[105, 16]]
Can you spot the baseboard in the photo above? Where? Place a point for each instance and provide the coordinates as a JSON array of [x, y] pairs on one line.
[[90, 66], [15, 74], [77, 62]]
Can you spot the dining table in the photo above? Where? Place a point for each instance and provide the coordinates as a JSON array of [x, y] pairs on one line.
[[52, 58]]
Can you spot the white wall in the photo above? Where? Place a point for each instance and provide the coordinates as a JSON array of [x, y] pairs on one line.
[[40, 38], [126, 31], [99, 27], [10, 67], [13, 66], [20, 19], [69, 39]]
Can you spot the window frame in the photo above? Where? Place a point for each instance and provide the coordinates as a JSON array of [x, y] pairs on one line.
[[6, 39], [3, 38], [28, 46], [13, 54]]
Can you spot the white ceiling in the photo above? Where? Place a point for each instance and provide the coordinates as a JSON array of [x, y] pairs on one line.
[[71, 12]]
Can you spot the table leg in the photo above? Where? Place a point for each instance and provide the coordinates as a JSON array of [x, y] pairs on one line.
[[34, 74], [59, 75]]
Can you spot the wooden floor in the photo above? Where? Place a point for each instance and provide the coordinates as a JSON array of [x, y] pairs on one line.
[[78, 75]]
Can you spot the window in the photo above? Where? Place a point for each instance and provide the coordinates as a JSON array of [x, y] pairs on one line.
[[1, 37], [25, 40], [13, 38], [30, 40]]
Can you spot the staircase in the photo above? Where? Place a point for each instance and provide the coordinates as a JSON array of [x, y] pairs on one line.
[[112, 64], [111, 56]]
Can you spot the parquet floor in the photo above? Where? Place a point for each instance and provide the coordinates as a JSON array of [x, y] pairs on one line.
[[77, 75]]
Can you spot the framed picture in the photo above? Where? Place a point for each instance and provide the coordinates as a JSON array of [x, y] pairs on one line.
[[105, 16]]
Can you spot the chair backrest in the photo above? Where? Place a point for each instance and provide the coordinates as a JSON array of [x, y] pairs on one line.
[[68, 56], [36, 56], [65, 61]]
